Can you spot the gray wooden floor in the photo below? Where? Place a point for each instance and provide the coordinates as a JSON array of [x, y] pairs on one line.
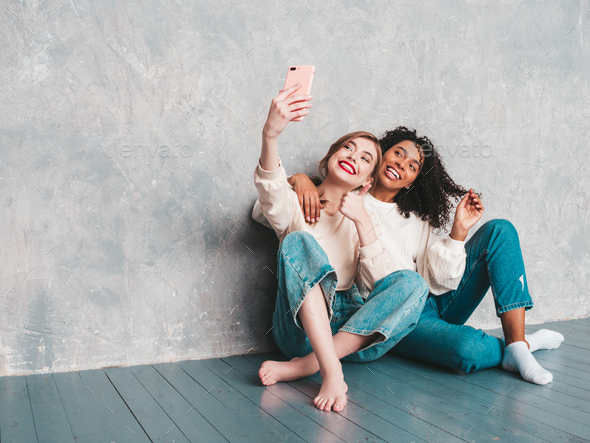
[[220, 400]]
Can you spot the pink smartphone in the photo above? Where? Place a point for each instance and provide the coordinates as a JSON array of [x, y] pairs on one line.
[[300, 74]]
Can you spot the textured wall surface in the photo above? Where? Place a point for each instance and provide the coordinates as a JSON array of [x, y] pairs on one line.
[[129, 132]]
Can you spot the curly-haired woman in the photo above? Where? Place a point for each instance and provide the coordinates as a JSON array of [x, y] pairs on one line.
[[410, 201]]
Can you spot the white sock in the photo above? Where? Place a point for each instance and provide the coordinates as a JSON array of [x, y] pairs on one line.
[[544, 339], [518, 358]]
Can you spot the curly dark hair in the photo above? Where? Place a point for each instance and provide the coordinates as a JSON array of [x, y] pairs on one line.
[[430, 196]]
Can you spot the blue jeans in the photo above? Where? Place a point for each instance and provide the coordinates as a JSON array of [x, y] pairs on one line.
[[392, 309], [494, 259]]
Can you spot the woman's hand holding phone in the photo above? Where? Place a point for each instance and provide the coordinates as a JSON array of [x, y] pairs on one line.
[[285, 108], [300, 74]]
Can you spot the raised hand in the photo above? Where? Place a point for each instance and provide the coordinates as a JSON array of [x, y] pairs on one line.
[[285, 108], [352, 205], [468, 212]]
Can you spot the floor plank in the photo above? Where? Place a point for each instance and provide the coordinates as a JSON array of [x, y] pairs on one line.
[[584, 322], [556, 398], [76, 400], [111, 408], [104, 424], [192, 424], [581, 371], [568, 354], [51, 421], [203, 401], [559, 359], [16, 416], [155, 422]]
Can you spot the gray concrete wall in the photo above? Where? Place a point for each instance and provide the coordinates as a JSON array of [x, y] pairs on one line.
[[129, 132]]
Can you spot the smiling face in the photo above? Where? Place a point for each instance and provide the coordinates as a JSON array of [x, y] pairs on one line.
[[354, 162], [401, 165]]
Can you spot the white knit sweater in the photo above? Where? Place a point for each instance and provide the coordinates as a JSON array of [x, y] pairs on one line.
[[412, 244]]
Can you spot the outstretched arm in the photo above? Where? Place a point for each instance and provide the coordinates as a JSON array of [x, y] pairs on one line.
[[275, 201], [283, 109]]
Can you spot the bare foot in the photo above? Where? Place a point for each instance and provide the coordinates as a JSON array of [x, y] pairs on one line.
[[272, 371], [332, 395]]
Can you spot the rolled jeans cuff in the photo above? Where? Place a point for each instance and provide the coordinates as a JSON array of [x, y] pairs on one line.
[[523, 304]]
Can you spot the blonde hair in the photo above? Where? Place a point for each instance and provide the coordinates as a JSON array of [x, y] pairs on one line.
[[323, 164]]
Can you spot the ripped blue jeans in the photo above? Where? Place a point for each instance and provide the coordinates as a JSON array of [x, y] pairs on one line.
[[392, 309], [494, 259]]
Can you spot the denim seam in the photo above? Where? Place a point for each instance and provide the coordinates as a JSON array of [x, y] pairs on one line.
[[492, 287], [288, 259], [463, 283], [503, 309], [433, 303], [422, 298], [307, 288]]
